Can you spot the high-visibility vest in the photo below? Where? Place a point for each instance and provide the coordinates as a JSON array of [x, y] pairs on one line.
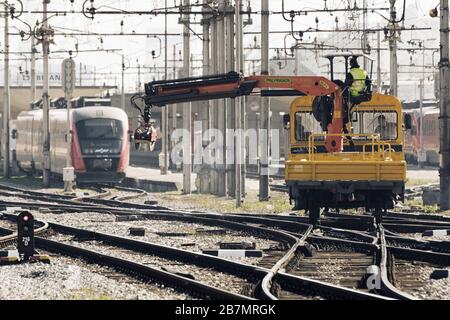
[[359, 81]]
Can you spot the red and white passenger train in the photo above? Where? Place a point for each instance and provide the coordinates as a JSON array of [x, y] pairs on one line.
[[100, 144], [430, 135]]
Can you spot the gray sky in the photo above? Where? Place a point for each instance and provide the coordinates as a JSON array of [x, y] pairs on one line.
[[140, 47]]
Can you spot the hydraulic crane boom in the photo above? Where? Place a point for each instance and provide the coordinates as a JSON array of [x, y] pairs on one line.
[[232, 85]]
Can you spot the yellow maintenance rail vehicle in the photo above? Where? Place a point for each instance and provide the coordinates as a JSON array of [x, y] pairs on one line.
[[370, 170], [346, 143]]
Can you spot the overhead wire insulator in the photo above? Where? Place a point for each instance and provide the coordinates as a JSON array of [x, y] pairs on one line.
[[292, 14]]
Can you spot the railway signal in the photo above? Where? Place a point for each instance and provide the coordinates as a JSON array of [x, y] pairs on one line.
[[25, 243], [68, 75], [25, 235], [68, 83]]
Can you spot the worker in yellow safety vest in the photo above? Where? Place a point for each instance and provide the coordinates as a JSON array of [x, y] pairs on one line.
[[357, 79]]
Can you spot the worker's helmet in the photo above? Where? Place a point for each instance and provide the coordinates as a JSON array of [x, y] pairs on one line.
[[354, 62], [382, 118]]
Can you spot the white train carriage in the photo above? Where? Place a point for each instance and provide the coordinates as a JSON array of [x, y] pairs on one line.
[[100, 144]]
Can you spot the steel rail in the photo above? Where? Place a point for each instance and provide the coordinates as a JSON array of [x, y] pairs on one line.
[[387, 287], [137, 270], [268, 279], [66, 199], [425, 245]]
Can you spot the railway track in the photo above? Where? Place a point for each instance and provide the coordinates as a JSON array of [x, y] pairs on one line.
[[262, 289], [285, 272], [341, 267], [87, 201], [410, 270], [105, 253]]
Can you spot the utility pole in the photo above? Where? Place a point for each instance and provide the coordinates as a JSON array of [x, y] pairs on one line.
[[33, 67], [265, 107], [221, 110], [174, 107], [444, 69], [123, 83], [6, 100], [187, 114], [205, 172], [393, 50], [379, 84], [239, 104], [81, 72], [46, 98], [164, 157], [214, 178], [422, 154], [231, 166], [139, 77], [364, 38]]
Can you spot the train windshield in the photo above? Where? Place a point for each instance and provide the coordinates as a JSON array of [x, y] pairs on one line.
[[100, 129], [100, 136]]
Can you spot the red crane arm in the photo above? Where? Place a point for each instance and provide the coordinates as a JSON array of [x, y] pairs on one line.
[[232, 85], [311, 86]]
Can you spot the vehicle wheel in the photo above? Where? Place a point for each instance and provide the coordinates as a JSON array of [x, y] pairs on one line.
[[314, 214], [378, 215], [297, 206]]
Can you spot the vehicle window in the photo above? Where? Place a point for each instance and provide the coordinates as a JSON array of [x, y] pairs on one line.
[[384, 123], [99, 129], [100, 136], [305, 125]]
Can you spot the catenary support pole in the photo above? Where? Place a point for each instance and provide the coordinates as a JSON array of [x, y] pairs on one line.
[[187, 114], [238, 113], [444, 69], [393, 50], [6, 100], [379, 83], [422, 154], [123, 84], [46, 98], [164, 157], [205, 171], [265, 106], [214, 178], [230, 105], [33, 68], [221, 109]]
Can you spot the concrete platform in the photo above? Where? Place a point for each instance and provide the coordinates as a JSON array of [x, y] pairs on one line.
[[151, 180], [428, 173]]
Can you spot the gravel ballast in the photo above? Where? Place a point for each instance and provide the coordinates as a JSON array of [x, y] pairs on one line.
[[68, 279], [424, 287], [190, 239]]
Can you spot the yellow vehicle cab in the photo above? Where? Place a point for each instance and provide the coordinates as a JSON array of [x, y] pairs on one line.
[[369, 173]]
